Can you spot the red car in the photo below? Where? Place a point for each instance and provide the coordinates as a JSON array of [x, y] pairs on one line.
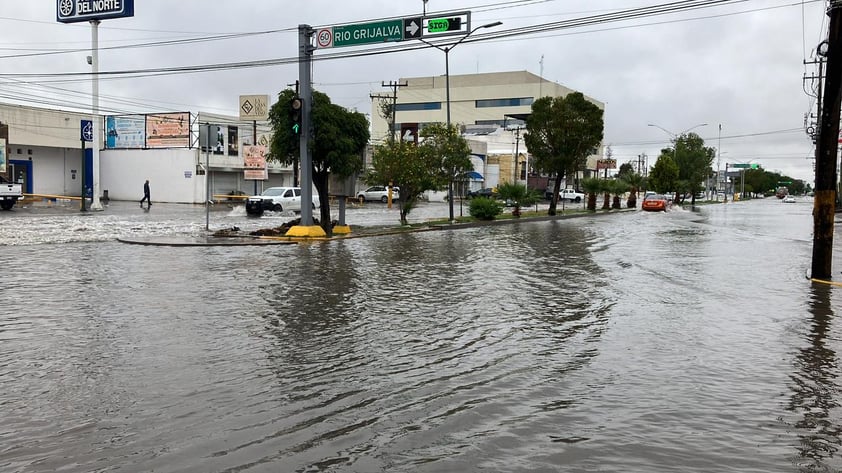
[[655, 203]]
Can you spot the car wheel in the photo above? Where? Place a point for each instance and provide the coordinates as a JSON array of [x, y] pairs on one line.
[[384, 199], [278, 208], [361, 198], [7, 204], [578, 199]]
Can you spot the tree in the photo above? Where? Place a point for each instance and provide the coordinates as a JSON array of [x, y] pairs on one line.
[[337, 143], [664, 174], [635, 182], [593, 186], [518, 194], [561, 132], [430, 165], [625, 170], [694, 161]]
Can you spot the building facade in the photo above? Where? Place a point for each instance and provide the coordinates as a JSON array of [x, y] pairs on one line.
[[489, 107]]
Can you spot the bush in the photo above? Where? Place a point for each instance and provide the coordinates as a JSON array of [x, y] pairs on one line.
[[483, 208]]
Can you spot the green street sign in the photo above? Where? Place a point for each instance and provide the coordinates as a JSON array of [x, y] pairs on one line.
[[365, 33], [440, 25], [740, 166]]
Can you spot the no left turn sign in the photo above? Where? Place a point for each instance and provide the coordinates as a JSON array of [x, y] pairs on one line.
[[324, 38]]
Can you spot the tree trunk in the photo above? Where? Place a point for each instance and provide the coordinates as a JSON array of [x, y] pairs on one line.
[[606, 201]]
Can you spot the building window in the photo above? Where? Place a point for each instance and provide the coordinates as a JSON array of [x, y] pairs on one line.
[[526, 101], [411, 107]]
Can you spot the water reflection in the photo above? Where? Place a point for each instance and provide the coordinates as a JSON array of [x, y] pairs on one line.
[[815, 396]]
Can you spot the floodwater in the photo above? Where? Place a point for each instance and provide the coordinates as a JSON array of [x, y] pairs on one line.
[[689, 341]]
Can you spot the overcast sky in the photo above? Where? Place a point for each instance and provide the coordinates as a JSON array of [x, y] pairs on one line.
[[740, 65]]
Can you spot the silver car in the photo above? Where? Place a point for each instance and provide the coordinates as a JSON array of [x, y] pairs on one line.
[[380, 193]]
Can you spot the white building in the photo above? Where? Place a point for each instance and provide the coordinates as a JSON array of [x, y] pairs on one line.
[[490, 107], [44, 150]]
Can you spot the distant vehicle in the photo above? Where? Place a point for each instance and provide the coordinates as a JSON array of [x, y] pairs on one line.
[[789, 199], [571, 195], [278, 199], [484, 192], [380, 193], [9, 193], [781, 192], [655, 203]]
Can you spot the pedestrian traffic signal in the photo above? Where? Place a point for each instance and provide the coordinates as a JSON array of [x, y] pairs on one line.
[[296, 106]]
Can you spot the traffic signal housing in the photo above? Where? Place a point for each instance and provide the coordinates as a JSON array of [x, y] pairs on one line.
[[296, 107]]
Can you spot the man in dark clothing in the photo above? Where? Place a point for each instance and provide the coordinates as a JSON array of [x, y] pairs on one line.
[[146, 194]]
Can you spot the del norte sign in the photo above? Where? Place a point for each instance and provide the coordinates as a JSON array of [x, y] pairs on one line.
[[72, 11]]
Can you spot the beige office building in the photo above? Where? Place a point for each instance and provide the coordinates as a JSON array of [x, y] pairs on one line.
[[490, 108]]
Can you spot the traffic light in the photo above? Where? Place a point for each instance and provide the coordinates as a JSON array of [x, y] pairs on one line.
[[296, 106]]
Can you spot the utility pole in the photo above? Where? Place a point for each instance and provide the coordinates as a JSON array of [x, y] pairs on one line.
[[394, 86], [824, 204]]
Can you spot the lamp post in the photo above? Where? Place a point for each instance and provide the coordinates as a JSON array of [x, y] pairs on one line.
[[446, 50], [675, 136]]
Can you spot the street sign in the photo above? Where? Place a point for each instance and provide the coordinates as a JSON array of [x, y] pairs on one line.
[[744, 166], [401, 29], [72, 11], [449, 24], [366, 33], [441, 25], [87, 129]]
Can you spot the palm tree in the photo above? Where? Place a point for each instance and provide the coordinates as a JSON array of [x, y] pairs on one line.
[[592, 186], [618, 187], [518, 194], [636, 182]]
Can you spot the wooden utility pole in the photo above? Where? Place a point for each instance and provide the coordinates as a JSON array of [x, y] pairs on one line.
[[394, 86], [824, 205]]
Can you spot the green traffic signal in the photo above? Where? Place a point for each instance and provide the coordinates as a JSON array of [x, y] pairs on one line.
[[296, 106]]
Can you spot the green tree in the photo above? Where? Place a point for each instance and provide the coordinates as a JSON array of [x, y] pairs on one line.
[[694, 161], [593, 186], [625, 170], [518, 194], [336, 146], [561, 132], [430, 165], [664, 174]]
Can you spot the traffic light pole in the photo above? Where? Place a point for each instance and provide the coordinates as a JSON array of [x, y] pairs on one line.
[[824, 204], [305, 57]]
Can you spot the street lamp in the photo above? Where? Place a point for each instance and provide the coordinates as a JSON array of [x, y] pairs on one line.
[[675, 136], [446, 50]]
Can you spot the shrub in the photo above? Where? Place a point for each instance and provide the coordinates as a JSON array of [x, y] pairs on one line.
[[484, 208]]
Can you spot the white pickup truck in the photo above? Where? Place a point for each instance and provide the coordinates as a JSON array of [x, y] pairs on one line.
[[570, 195], [9, 193]]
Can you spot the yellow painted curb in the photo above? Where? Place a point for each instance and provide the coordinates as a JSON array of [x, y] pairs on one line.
[[342, 229], [832, 283], [302, 231]]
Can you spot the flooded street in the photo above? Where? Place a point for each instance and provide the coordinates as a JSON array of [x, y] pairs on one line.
[[689, 341]]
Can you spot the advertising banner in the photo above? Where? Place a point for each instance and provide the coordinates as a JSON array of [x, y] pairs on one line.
[[606, 164], [125, 132], [2, 155], [254, 161], [233, 142], [168, 130]]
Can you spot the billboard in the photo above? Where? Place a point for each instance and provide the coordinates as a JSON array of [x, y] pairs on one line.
[[2, 155], [125, 132], [72, 11], [606, 164], [254, 162], [168, 130]]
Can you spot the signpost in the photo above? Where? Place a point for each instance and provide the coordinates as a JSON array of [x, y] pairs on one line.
[[86, 129], [401, 29]]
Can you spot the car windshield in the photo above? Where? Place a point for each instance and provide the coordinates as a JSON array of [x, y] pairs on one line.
[[273, 191]]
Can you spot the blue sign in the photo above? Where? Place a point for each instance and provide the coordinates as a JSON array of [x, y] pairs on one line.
[[87, 130], [72, 11]]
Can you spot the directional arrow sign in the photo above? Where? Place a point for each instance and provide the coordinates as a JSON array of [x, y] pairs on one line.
[[412, 28], [295, 128]]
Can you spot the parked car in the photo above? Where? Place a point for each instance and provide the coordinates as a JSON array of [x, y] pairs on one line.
[[484, 192], [380, 193], [655, 203], [278, 199], [789, 199]]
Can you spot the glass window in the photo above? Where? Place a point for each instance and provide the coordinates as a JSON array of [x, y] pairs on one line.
[[516, 102], [409, 107]]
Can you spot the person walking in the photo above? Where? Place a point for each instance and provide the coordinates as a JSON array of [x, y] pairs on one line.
[[146, 194]]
